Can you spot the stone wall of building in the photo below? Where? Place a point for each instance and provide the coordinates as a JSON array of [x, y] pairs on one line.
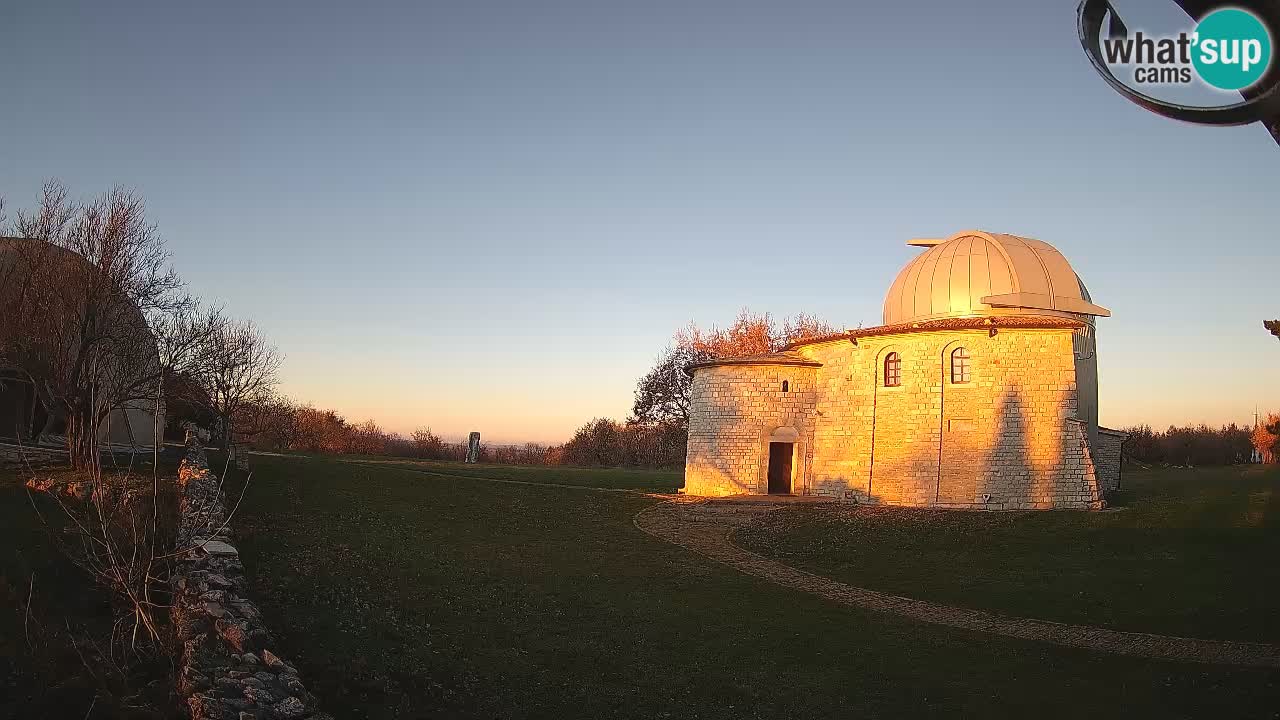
[[1008, 438], [227, 669], [998, 441], [736, 409], [1109, 458]]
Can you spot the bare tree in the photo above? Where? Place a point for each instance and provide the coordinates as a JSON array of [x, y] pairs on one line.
[[803, 326], [239, 375], [752, 334], [88, 282], [662, 394], [272, 423]]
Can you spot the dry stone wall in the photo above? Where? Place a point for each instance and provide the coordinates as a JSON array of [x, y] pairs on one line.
[[21, 456], [228, 669]]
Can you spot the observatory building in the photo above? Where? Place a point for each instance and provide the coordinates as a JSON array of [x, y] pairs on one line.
[[980, 390]]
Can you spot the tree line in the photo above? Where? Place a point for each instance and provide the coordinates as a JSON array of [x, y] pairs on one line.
[[1203, 445]]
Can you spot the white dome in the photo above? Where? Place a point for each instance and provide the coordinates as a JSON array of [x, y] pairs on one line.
[[975, 273]]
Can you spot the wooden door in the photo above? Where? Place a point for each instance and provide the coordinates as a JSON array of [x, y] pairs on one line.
[[780, 454]]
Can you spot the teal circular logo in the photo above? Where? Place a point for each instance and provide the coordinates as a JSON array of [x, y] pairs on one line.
[[1232, 49]]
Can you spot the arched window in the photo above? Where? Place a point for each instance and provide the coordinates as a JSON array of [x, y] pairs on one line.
[[786, 386], [960, 365], [892, 370]]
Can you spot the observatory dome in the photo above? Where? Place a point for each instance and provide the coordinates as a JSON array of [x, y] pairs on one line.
[[976, 273]]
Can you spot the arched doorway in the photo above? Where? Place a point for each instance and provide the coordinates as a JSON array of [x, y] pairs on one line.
[[782, 451]]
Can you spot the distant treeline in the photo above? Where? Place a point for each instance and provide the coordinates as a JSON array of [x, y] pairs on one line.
[[1197, 445], [285, 426]]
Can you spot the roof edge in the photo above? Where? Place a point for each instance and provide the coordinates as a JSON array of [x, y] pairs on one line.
[[774, 359], [986, 322]]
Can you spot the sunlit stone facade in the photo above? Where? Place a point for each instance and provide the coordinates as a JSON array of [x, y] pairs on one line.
[[958, 403]]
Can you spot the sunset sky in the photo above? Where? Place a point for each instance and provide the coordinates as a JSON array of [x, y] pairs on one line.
[[492, 216]]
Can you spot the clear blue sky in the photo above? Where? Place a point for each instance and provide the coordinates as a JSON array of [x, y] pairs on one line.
[[491, 216]]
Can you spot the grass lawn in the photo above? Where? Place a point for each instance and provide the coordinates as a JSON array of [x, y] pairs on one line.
[[1194, 553], [407, 594], [617, 478]]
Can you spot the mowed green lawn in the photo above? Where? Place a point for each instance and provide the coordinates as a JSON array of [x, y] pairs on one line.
[[614, 478], [407, 594], [1192, 552]]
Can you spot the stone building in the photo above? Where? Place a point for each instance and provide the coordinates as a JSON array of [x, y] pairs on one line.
[[980, 390]]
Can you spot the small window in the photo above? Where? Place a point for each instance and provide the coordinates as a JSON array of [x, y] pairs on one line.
[[960, 365], [786, 386], [892, 370]]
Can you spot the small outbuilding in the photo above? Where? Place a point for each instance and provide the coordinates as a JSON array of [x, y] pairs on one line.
[[979, 390]]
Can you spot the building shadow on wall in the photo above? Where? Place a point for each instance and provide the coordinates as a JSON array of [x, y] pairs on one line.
[[1006, 469], [961, 467]]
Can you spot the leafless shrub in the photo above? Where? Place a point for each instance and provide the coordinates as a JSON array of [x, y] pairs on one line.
[[120, 531]]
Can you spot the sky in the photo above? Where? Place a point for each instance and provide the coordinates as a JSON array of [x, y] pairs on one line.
[[493, 215]]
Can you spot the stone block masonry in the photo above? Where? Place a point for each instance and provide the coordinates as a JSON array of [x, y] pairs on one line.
[[227, 667], [736, 411], [1110, 457], [1007, 436]]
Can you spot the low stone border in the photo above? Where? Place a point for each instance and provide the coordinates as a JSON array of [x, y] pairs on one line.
[[21, 456], [706, 528], [226, 668]]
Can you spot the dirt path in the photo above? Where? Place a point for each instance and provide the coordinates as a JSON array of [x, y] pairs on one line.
[[704, 528]]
